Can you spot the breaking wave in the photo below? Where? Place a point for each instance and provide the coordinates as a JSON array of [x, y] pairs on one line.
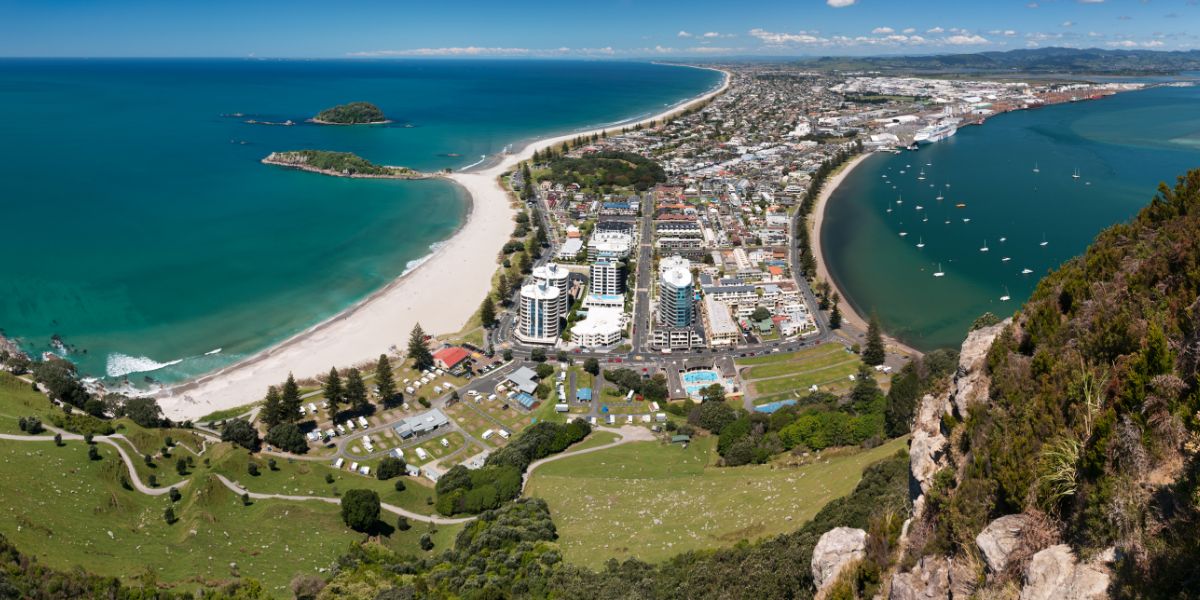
[[119, 365]]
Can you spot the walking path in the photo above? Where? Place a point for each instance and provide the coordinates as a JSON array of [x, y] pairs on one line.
[[627, 434]]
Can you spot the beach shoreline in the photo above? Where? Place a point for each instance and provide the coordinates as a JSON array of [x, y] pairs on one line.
[[441, 293], [850, 315]]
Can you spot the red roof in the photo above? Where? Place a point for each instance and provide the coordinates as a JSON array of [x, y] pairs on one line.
[[450, 356]]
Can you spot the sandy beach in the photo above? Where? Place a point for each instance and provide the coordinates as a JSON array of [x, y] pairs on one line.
[[850, 316], [441, 294]]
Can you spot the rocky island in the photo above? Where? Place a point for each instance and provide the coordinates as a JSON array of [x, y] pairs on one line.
[[339, 164], [354, 113]]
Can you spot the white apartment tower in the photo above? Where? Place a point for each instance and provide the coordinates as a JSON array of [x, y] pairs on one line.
[[607, 277], [539, 314], [552, 275]]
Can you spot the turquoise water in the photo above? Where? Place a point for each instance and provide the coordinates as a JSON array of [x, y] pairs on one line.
[[142, 229], [697, 380], [1123, 146]]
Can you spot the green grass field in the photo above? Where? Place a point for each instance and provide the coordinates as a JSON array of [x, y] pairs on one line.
[[69, 511], [17, 399], [652, 501], [809, 363], [799, 355], [778, 376]]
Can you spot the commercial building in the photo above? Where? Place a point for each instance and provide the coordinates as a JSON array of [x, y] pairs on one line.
[[570, 249], [609, 244], [601, 327], [607, 277], [539, 314], [450, 357], [722, 329]]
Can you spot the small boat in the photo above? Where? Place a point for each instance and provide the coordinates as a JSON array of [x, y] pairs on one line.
[[919, 207], [940, 197], [903, 233], [900, 200], [1005, 297], [1075, 175], [966, 219], [921, 242], [921, 176], [947, 221], [960, 205], [1026, 271], [1036, 169], [984, 248], [925, 220], [939, 272], [1005, 259], [1003, 239], [1044, 242]]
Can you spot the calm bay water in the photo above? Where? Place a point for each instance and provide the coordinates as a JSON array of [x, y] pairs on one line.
[[1122, 146], [142, 229]]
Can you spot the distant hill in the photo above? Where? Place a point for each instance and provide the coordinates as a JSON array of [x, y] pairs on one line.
[[1039, 60]]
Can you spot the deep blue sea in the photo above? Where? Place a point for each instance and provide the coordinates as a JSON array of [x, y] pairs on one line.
[[1122, 147], [141, 228]]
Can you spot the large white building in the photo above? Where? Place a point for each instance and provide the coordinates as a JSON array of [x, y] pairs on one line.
[[555, 276], [722, 329], [673, 263], [609, 244], [607, 277], [539, 314], [604, 326], [676, 297]]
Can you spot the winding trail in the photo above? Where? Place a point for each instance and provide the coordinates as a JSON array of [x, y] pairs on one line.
[[626, 435]]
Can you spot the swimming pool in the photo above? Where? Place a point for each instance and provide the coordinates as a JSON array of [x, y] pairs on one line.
[[694, 381]]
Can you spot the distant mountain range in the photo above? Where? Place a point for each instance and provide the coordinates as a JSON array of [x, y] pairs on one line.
[[1038, 60]]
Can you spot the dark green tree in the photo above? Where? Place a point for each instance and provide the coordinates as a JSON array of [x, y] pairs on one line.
[[240, 432], [592, 366], [289, 400], [418, 349], [287, 437], [360, 509], [487, 313], [356, 391], [181, 466], [712, 393], [390, 467], [272, 410], [93, 453], [865, 397], [169, 515], [383, 379], [760, 314], [174, 495], [144, 411], [402, 524], [874, 353], [835, 315], [335, 395]]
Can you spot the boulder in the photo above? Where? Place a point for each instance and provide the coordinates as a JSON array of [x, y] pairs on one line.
[[971, 382], [928, 580], [999, 539], [836, 548], [1055, 573]]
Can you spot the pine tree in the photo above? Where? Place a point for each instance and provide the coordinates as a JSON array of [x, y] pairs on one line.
[[503, 289], [383, 379], [334, 394], [835, 316], [418, 349], [487, 313], [272, 410], [356, 391], [874, 353], [289, 401]]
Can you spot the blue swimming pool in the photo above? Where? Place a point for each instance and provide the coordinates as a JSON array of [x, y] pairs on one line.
[[694, 381]]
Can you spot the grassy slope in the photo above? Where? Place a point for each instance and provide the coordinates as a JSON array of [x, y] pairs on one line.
[[70, 511], [652, 501]]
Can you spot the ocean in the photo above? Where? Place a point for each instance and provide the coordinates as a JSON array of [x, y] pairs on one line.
[[1122, 146], [144, 235]]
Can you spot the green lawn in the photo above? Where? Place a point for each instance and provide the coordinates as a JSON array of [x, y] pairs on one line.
[[228, 413], [307, 478], [599, 437], [69, 511], [803, 381], [651, 501], [810, 363], [807, 353]]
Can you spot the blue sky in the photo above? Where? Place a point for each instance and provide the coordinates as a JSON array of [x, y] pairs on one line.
[[573, 28]]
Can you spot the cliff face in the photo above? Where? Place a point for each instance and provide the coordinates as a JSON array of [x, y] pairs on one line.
[[1062, 461]]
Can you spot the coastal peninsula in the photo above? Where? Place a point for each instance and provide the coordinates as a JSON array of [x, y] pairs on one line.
[[354, 113], [339, 164]]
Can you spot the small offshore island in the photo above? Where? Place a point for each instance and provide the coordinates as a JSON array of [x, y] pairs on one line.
[[339, 164], [354, 113]]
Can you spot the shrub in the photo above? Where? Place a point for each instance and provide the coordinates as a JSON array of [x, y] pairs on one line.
[[252, 469], [287, 437], [360, 509], [240, 432], [174, 495], [390, 467]]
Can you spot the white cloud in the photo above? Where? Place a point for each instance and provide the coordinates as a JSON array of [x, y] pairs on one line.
[[452, 51], [966, 40], [1010, 32], [773, 38], [1068, 23], [879, 30], [935, 30], [1152, 44], [717, 34], [909, 30], [683, 34], [840, 3], [663, 50], [711, 50], [1091, 1], [1124, 44]]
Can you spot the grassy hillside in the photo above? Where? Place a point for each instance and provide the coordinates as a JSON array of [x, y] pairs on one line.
[[652, 501]]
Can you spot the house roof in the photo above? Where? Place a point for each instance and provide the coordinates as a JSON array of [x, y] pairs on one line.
[[451, 355]]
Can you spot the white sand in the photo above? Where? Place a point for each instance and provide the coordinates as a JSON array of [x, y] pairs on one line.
[[442, 294]]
